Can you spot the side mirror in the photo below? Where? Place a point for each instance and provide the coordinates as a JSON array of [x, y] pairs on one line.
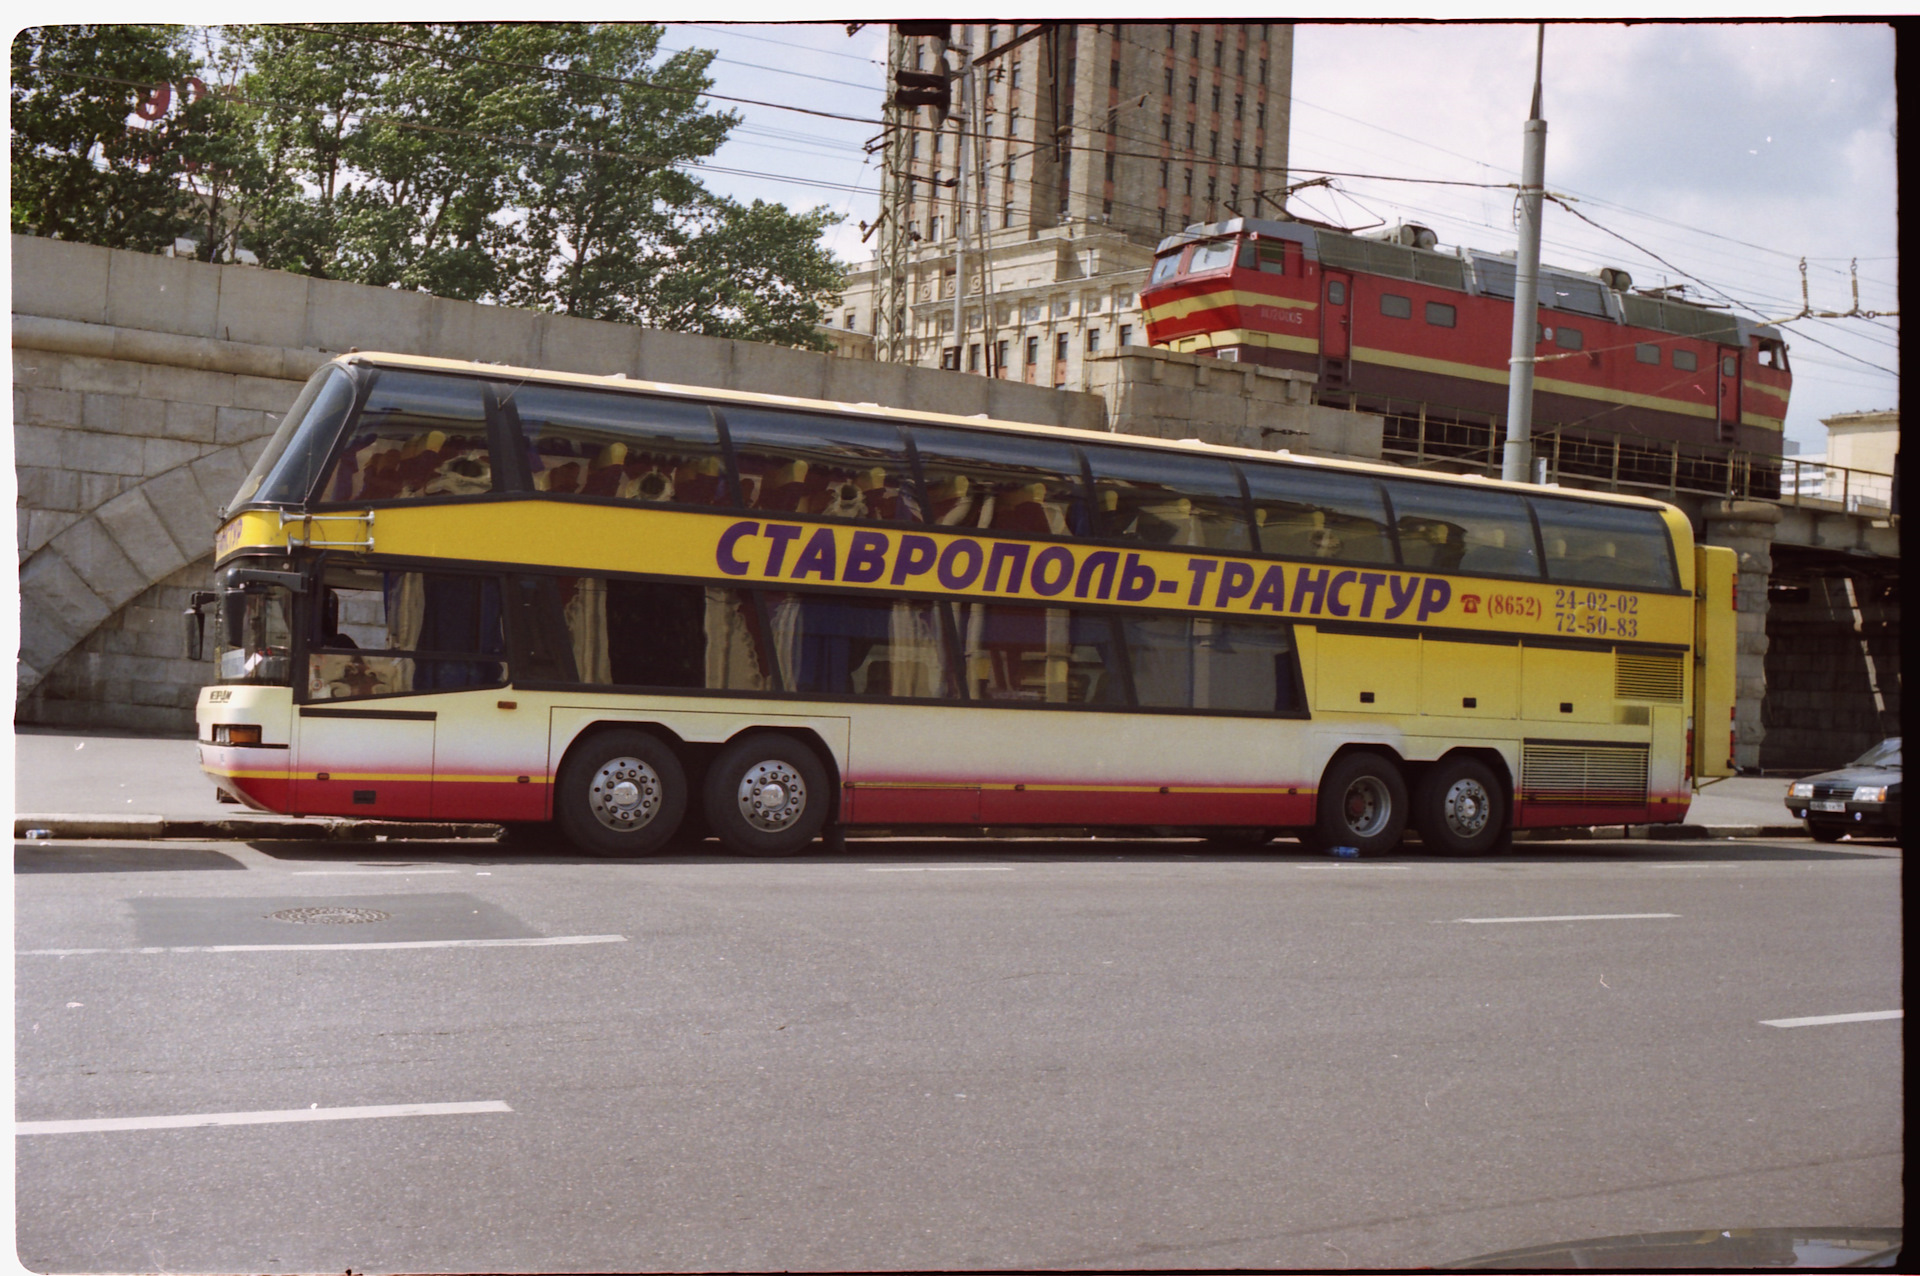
[[196, 621]]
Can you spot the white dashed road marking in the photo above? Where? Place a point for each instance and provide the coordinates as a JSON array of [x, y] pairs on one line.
[[556, 940], [1814, 1021], [103, 1124], [1571, 917]]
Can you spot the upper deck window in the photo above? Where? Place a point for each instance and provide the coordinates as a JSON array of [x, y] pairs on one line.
[[285, 472], [1306, 513], [1595, 544], [1001, 482], [1463, 529], [834, 466], [624, 446], [1167, 498], [419, 435]]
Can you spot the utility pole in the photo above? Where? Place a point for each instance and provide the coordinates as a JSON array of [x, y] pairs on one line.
[[963, 136], [1517, 460]]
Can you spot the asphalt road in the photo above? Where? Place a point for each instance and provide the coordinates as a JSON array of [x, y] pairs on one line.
[[942, 1054]]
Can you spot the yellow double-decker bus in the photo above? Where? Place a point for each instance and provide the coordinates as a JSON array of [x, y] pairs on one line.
[[458, 591]]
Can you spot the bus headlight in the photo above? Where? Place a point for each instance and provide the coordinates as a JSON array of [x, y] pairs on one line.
[[1868, 794], [235, 733]]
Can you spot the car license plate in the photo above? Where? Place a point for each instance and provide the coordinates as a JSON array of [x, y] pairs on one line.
[[1829, 806]]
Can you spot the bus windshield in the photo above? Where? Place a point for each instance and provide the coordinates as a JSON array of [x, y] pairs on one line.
[[285, 472], [255, 638]]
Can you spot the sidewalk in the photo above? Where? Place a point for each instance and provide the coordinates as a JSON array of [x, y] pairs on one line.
[[100, 785]]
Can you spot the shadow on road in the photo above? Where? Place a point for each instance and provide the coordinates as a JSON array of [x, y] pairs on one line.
[[104, 857], [878, 852]]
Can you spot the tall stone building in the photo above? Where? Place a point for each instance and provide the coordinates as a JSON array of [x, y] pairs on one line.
[[1085, 144]]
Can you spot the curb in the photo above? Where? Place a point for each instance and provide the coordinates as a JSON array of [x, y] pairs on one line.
[[153, 827]]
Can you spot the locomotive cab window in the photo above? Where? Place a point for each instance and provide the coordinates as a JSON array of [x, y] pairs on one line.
[[1214, 256], [1336, 293], [1166, 267], [1773, 354], [1273, 259]]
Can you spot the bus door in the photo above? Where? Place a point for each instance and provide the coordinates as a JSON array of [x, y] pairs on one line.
[[364, 761], [1336, 329], [1729, 394]]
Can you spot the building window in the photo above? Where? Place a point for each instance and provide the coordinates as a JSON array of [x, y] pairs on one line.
[[1163, 221], [1240, 61], [1110, 160], [1006, 216], [1259, 155], [1060, 347], [1441, 315], [1013, 122], [1217, 47], [1216, 99], [1189, 135], [1013, 80], [999, 358], [1195, 46], [1212, 193], [1236, 152], [1193, 89], [1093, 341], [937, 138], [1263, 70], [1166, 128], [1260, 115], [1033, 351], [1126, 334], [1189, 181], [1233, 198], [1394, 307], [1239, 105], [950, 358], [851, 315], [1213, 144], [1164, 167], [1647, 352], [913, 147], [1173, 32], [1169, 81], [973, 357], [1113, 73]]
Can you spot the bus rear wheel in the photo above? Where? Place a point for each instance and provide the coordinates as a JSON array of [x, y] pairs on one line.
[[621, 793], [767, 796], [1362, 804], [1458, 808]]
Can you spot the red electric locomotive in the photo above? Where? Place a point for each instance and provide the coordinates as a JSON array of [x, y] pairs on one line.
[[1389, 323]]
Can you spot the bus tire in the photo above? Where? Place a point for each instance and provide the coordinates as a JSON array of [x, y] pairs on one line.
[[621, 793], [1458, 807], [1362, 804], [767, 796]]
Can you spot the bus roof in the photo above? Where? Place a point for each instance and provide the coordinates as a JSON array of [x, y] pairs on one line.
[[744, 397]]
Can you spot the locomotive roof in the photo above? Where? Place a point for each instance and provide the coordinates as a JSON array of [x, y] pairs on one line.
[[1493, 274]]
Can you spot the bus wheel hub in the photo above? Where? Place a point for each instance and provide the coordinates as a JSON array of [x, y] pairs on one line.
[[772, 796], [625, 794]]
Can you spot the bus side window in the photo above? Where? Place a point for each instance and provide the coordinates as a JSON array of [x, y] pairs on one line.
[[1044, 655], [1167, 498], [1211, 662], [1595, 544], [1001, 482], [835, 467], [633, 633], [391, 632], [1449, 529], [882, 648], [620, 446], [419, 435], [1306, 513]]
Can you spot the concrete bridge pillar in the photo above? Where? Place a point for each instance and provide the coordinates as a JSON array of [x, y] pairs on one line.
[[1747, 528]]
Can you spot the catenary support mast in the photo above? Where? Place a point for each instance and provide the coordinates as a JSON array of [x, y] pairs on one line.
[[1517, 460]]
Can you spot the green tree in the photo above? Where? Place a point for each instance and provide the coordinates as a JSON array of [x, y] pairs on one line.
[[755, 272], [84, 165]]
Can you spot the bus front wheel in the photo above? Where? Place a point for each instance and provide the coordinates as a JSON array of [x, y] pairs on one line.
[[1363, 804], [1458, 808], [767, 796], [621, 793]]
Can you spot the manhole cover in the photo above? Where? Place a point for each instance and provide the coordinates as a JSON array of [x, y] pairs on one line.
[[328, 916]]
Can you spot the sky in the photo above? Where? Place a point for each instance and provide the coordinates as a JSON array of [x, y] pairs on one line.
[[1712, 154]]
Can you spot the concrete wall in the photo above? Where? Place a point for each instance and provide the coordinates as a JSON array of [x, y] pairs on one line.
[[1188, 396], [1832, 662]]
